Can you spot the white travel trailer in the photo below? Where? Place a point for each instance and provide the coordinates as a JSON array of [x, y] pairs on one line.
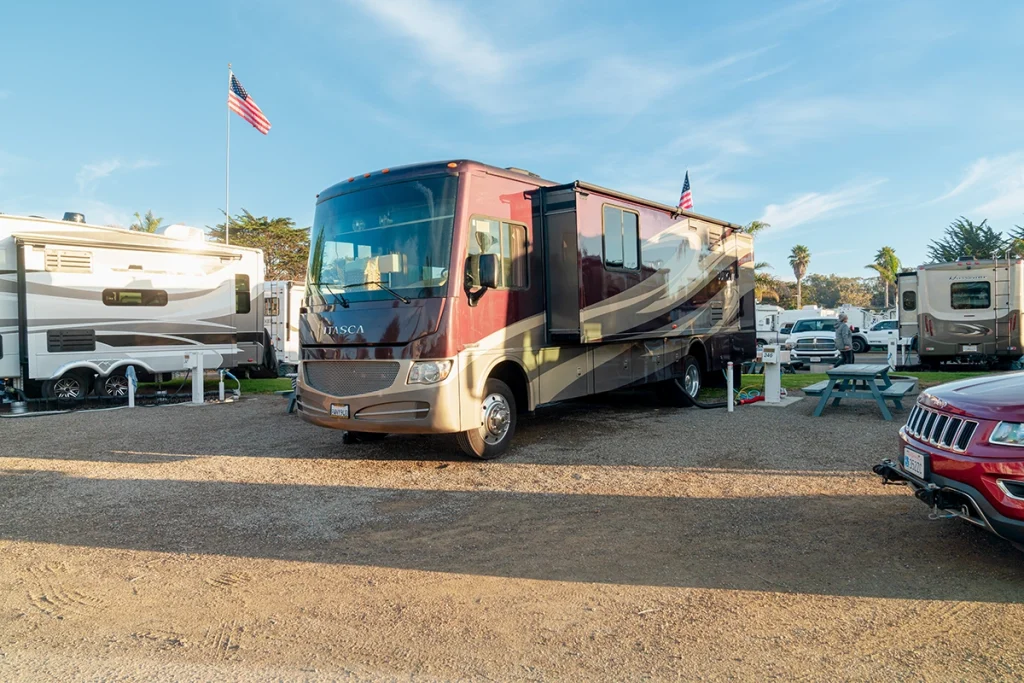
[[282, 300], [768, 324], [968, 310], [81, 303]]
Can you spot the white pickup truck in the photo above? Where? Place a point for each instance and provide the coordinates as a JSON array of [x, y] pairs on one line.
[[878, 336]]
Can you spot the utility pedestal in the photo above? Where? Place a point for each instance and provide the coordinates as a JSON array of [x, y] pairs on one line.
[[194, 362], [773, 358]]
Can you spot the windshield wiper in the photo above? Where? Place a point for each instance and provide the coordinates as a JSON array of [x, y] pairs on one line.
[[341, 297], [386, 289]]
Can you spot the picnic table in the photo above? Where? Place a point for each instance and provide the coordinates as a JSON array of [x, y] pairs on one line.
[[860, 380]]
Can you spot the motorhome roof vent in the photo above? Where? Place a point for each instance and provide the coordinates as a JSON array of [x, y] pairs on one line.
[[73, 217], [522, 170], [185, 233]]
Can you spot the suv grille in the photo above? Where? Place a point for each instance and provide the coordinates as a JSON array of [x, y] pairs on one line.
[[350, 377], [938, 429]]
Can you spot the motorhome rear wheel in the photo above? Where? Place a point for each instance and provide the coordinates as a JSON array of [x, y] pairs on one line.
[[682, 391]]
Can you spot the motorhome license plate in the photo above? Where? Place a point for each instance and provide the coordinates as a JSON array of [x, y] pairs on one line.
[[970, 348], [913, 462], [339, 410]]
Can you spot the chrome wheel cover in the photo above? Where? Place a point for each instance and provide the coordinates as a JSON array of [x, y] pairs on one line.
[[691, 381], [68, 387], [116, 385], [497, 418]]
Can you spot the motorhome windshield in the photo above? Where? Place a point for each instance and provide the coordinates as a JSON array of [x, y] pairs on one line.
[[398, 235]]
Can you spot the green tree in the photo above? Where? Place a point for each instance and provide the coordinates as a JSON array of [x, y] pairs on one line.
[[754, 227], [285, 247], [147, 223], [830, 291], [965, 238], [887, 265], [799, 260], [766, 287]]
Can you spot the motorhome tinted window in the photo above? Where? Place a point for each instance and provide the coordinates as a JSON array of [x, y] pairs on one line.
[[134, 297], [508, 241], [909, 301], [967, 295], [399, 234], [621, 238], [242, 302], [271, 306]]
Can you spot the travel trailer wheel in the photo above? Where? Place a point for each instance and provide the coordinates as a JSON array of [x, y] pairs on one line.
[[682, 391], [492, 438], [114, 385], [73, 385]]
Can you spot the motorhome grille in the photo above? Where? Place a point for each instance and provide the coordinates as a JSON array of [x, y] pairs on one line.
[[61, 261], [70, 340], [350, 377], [943, 431]]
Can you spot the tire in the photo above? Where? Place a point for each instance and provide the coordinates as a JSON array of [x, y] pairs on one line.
[[859, 345], [115, 384], [351, 437], [682, 391], [73, 385], [492, 438]]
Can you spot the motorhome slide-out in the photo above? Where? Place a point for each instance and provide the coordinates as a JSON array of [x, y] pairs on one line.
[[79, 304], [968, 310], [452, 297]]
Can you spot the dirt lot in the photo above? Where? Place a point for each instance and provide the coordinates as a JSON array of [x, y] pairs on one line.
[[615, 542]]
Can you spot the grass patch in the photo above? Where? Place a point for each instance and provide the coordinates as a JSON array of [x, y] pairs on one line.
[[805, 379]]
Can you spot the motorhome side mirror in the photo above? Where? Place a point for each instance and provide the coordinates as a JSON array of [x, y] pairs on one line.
[[489, 270]]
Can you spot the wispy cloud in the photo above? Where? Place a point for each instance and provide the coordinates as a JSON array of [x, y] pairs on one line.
[[90, 174], [787, 17], [816, 206], [459, 57], [996, 182], [4, 94], [768, 73]]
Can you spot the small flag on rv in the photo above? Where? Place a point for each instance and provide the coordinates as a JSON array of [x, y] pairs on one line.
[[686, 197], [240, 102]]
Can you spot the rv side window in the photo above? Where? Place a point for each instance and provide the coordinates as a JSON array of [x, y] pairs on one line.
[[134, 297], [909, 301], [967, 295], [242, 302], [271, 306], [508, 241], [621, 238]]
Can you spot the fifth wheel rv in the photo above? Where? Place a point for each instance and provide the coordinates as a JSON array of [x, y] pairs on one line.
[[453, 297], [80, 303], [965, 311]]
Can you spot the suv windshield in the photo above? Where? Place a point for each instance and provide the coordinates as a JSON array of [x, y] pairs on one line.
[[824, 325], [399, 235]]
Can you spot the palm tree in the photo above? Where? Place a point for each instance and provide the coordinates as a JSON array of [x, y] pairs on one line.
[[799, 259], [887, 265], [765, 286], [754, 227], [147, 223]]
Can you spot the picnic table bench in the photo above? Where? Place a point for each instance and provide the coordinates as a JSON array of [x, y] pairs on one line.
[[862, 381], [290, 393]]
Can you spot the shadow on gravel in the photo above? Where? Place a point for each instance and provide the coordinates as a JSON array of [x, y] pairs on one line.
[[868, 546]]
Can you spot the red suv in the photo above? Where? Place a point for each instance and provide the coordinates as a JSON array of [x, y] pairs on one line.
[[962, 453]]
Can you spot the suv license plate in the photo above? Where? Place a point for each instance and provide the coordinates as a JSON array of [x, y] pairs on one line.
[[913, 462], [970, 348], [339, 410]]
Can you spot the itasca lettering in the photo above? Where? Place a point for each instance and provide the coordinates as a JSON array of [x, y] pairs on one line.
[[343, 329]]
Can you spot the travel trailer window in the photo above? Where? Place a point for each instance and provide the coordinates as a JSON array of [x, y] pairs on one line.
[[271, 306], [399, 234], [242, 302], [909, 301], [134, 297], [508, 241], [621, 237], [967, 295]]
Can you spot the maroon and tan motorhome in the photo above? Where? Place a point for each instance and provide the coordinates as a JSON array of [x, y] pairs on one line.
[[452, 297]]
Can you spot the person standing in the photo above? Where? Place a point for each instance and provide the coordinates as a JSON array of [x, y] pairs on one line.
[[844, 340]]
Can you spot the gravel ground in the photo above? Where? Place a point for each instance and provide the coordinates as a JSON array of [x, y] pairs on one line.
[[616, 541]]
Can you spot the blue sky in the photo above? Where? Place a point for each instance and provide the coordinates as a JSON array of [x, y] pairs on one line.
[[846, 125]]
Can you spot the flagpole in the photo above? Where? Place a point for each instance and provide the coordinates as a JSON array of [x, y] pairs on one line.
[[227, 170]]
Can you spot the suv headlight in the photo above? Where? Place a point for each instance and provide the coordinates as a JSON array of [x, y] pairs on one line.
[[429, 371], [1008, 434]]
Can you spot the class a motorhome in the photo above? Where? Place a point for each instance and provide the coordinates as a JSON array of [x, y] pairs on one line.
[[282, 301], [965, 311], [453, 297], [80, 303]]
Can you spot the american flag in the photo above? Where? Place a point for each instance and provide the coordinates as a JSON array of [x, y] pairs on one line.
[[242, 104], [686, 198]]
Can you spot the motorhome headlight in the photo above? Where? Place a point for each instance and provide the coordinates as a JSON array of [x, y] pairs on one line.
[[1008, 434], [429, 371]]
